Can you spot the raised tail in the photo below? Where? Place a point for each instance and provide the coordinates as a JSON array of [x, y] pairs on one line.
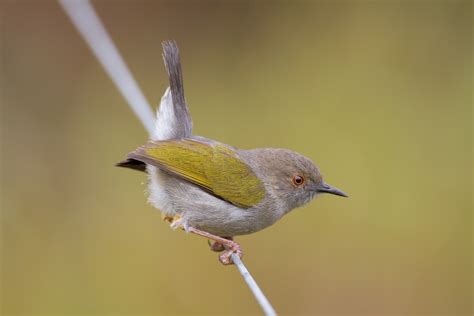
[[173, 118]]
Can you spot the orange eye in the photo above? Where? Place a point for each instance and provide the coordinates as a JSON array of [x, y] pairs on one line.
[[297, 180]]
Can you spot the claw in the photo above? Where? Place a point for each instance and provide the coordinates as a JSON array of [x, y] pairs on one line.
[[166, 218], [177, 222]]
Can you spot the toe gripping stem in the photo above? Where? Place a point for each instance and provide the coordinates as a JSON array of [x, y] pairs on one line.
[[228, 244]]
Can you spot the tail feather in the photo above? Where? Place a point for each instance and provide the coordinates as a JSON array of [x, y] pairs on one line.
[[173, 68], [132, 164], [174, 120]]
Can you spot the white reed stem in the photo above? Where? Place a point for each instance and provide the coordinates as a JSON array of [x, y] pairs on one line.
[[253, 286], [84, 17]]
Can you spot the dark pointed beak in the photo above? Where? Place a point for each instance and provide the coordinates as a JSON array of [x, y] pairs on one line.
[[326, 188]]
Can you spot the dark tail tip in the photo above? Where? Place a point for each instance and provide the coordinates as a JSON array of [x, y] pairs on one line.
[[132, 164]]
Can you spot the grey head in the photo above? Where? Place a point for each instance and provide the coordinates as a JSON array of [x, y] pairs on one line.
[[293, 178]]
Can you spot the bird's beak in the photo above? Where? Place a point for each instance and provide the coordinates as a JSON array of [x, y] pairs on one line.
[[326, 188]]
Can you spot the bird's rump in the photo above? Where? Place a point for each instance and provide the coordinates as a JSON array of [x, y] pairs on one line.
[[215, 168]]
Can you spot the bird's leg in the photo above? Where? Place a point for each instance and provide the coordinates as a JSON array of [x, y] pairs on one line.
[[230, 245], [219, 244]]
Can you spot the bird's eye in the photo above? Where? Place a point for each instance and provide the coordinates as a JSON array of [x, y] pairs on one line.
[[298, 180]]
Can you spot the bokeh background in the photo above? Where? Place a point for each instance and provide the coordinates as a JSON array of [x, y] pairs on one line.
[[378, 93]]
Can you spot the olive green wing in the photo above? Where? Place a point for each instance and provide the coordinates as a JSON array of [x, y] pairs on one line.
[[214, 167]]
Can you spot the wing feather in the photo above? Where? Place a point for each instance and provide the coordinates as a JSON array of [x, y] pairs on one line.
[[215, 168]]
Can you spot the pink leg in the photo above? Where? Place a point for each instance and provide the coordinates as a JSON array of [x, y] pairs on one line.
[[230, 245]]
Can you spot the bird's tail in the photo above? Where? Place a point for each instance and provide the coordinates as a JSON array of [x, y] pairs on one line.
[[173, 118]]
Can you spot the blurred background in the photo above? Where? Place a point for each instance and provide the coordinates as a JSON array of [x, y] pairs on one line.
[[378, 94]]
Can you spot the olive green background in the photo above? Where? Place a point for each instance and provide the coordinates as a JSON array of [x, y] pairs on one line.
[[377, 93]]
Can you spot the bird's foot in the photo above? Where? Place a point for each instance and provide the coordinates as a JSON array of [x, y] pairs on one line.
[[217, 246], [166, 218], [175, 221], [231, 248], [227, 243]]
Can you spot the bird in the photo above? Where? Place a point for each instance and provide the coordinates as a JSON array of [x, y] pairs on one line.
[[212, 189]]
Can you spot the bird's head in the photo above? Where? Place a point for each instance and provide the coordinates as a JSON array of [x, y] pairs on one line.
[[294, 178]]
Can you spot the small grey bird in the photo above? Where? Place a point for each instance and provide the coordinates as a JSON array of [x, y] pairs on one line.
[[212, 189]]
